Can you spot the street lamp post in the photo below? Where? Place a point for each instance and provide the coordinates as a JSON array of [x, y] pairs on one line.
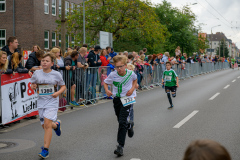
[[84, 36], [211, 36]]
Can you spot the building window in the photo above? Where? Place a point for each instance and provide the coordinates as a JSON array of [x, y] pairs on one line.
[[54, 7], [2, 38], [2, 5], [73, 41], [66, 7], [214, 43], [72, 7], [67, 40], [46, 39], [53, 39], [60, 40], [46, 6], [60, 7]]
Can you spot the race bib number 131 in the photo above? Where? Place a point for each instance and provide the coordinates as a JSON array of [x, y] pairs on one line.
[[45, 90], [127, 101]]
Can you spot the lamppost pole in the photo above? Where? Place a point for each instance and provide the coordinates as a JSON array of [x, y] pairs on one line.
[[84, 36]]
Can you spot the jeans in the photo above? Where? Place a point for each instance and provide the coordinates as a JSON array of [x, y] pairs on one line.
[[91, 81]]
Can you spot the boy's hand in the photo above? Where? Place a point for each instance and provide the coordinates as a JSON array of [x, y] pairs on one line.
[[34, 86], [55, 95], [177, 85], [109, 93], [130, 92]]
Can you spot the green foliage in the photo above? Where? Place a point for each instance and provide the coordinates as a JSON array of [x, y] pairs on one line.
[[131, 22], [180, 25], [223, 46]]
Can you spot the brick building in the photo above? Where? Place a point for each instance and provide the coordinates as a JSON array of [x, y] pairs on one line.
[[33, 22]]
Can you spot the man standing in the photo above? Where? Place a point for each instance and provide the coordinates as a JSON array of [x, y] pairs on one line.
[[108, 51], [93, 61], [81, 63], [11, 47]]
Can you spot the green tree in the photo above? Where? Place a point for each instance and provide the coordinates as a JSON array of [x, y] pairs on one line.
[[223, 46], [202, 44], [180, 25], [132, 22]]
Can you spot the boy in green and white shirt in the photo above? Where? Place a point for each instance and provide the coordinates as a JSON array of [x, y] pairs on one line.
[[124, 83], [170, 78]]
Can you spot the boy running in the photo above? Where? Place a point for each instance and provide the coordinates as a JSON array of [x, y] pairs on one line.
[[170, 78], [124, 82], [46, 81]]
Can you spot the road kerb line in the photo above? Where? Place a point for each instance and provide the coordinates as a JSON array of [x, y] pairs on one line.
[[186, 119], [234, 80], [226, 86], [214, 96]]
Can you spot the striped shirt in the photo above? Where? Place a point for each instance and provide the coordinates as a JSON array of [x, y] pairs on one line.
[[121, 84]]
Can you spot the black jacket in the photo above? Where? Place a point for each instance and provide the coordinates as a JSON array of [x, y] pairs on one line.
[[92, 57], [32, 61], [6, 49]]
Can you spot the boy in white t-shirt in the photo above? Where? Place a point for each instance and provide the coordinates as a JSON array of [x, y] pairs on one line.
[[46, 81], [124, 82]]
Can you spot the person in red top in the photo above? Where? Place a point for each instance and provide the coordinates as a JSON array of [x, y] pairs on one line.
[[104, 60]]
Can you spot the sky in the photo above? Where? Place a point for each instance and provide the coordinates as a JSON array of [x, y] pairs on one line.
[[212, 13]]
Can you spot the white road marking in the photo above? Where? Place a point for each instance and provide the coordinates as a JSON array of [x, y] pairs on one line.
[[234, 80], [226, 86], [185, 119], [214, 96], [135, 159], [239, 77]]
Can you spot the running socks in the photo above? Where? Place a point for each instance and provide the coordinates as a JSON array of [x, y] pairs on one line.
[[169, 98], [174, 95], [45, 149]]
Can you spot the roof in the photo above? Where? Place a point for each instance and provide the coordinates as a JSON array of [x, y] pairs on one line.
[[217, 37]]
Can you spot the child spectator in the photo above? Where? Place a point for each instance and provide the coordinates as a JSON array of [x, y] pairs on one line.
[[102, 78]]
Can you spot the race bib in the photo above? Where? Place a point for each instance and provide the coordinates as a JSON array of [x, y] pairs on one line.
[[45, 90], [168, 78], [127, 101]]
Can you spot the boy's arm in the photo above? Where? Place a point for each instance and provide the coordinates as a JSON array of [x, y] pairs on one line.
[[177, 82], [109, 93], [130, 92], [61, 90]]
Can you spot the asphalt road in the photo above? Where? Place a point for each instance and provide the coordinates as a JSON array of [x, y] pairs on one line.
[[160, 134]]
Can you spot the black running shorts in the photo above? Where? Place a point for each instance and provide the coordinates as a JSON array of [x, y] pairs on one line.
[[172, 88]]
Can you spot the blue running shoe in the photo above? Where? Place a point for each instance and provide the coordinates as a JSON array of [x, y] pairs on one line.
[[171, 107], [58, 129], [74, 103], [44, 154]]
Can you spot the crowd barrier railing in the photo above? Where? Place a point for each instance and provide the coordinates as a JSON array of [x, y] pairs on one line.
[[87, 84]]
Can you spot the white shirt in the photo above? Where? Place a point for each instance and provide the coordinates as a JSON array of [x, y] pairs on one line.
[[121, 84], [51, 78]]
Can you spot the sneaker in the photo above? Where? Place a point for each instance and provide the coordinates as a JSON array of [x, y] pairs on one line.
[[58, 129], [44, 154], [130, 130], [119, 151], [171, 107], [74, 103]]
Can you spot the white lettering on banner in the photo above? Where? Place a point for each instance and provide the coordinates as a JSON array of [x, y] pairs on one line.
[[18, 99]]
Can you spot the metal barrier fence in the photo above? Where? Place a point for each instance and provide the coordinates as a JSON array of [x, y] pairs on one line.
[[89, 82]]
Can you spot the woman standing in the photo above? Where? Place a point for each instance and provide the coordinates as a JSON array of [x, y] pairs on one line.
[[3, 62], [103, 58]]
